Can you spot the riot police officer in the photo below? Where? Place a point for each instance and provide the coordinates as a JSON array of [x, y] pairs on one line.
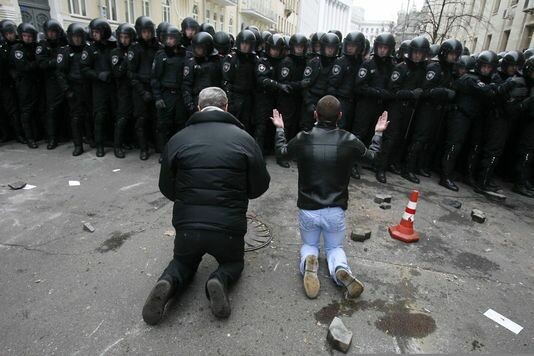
[[343, 75], [222, 43], [46, 54], [437, 87], [371, 87], [140, 58], [26, 79], [167, 77], [190, 28], [160, 30], [316, 75], [202, 70], [97, 66], [126, 35], [74, 86], [8, 97], [238, 73]]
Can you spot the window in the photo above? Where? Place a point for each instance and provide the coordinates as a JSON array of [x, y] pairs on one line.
[[129, 7], [111, 10], [474, 44], [527, 36], [166, 8], [496, 6], [146, 8], [215, 21], [222, 22], [208, 18], [488, 42], [231, 25], [504, 40], [195, 12], [77, 7]]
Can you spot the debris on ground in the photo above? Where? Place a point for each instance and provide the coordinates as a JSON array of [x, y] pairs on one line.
[[88, 227], [17, 185], [503, 321], [478, 216], [339, 336], [360, 234], [382, 198], [453, 203], [385, 206], [73, 183]]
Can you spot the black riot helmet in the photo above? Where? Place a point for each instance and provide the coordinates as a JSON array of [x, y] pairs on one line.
[[486, 57], [434, 52], [102, 26], [419, 44], [145, 23], [160, 30], [297, 40], [512, 58], [172, 32], [528, 53], [450, 46], [402, 52], [265, 35], [203, 40], [222, 42], [338, 34], [528, 68], [466, 62], [466, 52], [355, 38], [26, 27], [55, 26], [329, 40], [207, 27], [316, 40], [232, 40], [257, 34], [384, 39], [246, 36], [275, 41], [367, 47], [126, 29], [75, 29], [500, 55], [7, 26], [189, 23]]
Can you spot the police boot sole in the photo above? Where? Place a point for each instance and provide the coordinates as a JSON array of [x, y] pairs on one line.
[[353, 286], [219, 303], [311, 281], [156, 301]]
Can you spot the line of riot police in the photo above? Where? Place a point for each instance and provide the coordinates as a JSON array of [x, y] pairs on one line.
[[138, 85]]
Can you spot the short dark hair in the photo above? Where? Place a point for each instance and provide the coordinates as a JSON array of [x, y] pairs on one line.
[[328, 109]]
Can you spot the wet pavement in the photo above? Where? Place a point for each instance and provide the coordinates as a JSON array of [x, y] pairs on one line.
[[66, 290]]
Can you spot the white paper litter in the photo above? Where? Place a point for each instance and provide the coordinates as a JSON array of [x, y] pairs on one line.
[[29, 186], [503, 321], [116, 170], [73, 183]]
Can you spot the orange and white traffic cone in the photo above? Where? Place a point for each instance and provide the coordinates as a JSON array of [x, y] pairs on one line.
[[405, 231]]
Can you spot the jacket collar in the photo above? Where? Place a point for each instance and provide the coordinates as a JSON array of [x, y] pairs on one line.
[[213, 116]]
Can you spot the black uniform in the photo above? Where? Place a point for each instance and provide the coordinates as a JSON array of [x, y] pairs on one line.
[[140, 58], [406, 81], [77, 90], [97, 67], [371, 87], [46, 55], [26, 82], [8, 95], [239, 78], [167, 78], [200, 73], [291, 72], [123, 88]]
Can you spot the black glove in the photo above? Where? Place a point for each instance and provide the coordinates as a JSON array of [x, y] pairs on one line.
[[285, 88], [451, 94], [508, 85], [417, 93], [518, 92], [160, 104], [147, 97], [527, 103], [103, 76], [304, 83], [69, 94]]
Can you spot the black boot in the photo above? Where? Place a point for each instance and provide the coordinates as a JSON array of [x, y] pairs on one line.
[[448, 162], [100, 151], [141, 138], [31, 143], [52, 143], [381, 176], [472, 161], [354, 172], [411, 163], [411, 177], [156, 301], [394, 168], [21, 139], [424, 172], [117, 137], [76, 128], [29, 135], [482, 184], [282, 163], [522, 184]]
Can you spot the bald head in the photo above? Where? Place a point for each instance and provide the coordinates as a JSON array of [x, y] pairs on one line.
[[328, 109]]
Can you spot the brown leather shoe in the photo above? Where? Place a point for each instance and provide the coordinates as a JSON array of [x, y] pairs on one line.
[[353, 286], [311, 281]]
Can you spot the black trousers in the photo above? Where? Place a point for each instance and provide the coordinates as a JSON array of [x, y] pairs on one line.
[[367, 112], [191, 245], [54, 101], [241, 106]]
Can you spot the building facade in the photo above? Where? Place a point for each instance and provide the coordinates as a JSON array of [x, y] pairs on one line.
[[225, 15], [324, 15], [371, 29]]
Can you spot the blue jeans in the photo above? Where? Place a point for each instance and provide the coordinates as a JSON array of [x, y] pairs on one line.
[[330, 222]]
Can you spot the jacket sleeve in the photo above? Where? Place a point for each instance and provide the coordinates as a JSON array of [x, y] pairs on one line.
[[157, 70], [42, 57], [264, 76], [227, 71], [133, 68], [335, 77], [87, 64], [62, 68], [187, 85], [21, 63], [167, 173], [258, 177]]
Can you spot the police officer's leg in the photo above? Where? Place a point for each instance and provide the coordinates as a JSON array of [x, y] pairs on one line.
[[262, 114], [523, 161], [165, 119], [9, 102], [308, 107], [141, 123], [347, 110], [77, 114], [494, 143], [423, 125], [54, 99], [457, 131], [27, 96], [391, 140], [100, 114]]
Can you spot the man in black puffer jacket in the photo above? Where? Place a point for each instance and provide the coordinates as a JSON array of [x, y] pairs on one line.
[[210, 170], [325, 156]]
